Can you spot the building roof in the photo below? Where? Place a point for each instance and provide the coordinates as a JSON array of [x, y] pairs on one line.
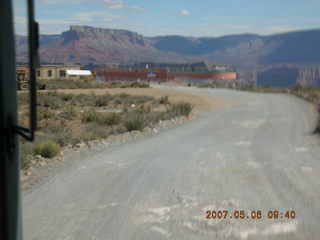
[[79, 72], [49, 65], [58, 65]]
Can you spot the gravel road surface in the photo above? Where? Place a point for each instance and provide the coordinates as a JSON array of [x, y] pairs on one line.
[[258, 155]]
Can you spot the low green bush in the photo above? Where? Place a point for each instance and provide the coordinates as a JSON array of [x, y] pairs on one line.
[[136, 121], [105, 119], [108, 119], [99, 101], [50, 102], [83, 99], [72, 84], [89, 116], [47, 149], [94, 131], [164, 99], [124, 95], [46, 115], [139, 85], [180, 109], [66, 97]]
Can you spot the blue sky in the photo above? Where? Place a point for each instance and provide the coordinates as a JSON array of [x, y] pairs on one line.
[[175, 17]]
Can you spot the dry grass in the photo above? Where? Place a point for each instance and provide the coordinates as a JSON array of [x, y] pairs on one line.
[[70, 116], [198, 101]]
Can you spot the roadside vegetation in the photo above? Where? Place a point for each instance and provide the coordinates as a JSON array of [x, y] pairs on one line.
[[68, 119], [88, 84]]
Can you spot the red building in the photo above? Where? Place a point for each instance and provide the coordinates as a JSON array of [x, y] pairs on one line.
[[111, 74]]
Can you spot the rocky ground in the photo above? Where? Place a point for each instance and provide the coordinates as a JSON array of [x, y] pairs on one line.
[[258, 155], [41, 167]]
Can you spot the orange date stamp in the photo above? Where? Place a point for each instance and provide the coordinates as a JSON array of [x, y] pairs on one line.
[[254, 214]]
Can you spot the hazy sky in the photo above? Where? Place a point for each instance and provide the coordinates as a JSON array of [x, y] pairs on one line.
[[168, 17]]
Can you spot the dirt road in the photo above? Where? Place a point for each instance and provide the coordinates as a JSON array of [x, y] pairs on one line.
[[257, 155]]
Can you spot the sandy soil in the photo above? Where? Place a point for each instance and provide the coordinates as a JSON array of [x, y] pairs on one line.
[[202, 105], [200, 102]]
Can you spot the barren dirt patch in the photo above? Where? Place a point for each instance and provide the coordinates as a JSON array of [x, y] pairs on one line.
[[200, 102]]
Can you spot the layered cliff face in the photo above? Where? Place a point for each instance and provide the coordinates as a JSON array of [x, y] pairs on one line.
[[88, 44], [108, 37], [83, 44]]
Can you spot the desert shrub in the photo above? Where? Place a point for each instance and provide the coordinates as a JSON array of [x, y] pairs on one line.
[[49, 100], [46, 115], [108, 119], [89, 116], [134, 84], [180, 108], [90, 136], [64, 137], [57, 132], [72, 84], [143, 109], [94, 131], [47, 149], [164, 99], [136, 122], [139, 85], [102, 100], [69, 112], [50, 103], [118, 99], [142, 99], [60, 84], [83, 100], [115, 83], [124, 95], [66, 97], [52, 93]]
